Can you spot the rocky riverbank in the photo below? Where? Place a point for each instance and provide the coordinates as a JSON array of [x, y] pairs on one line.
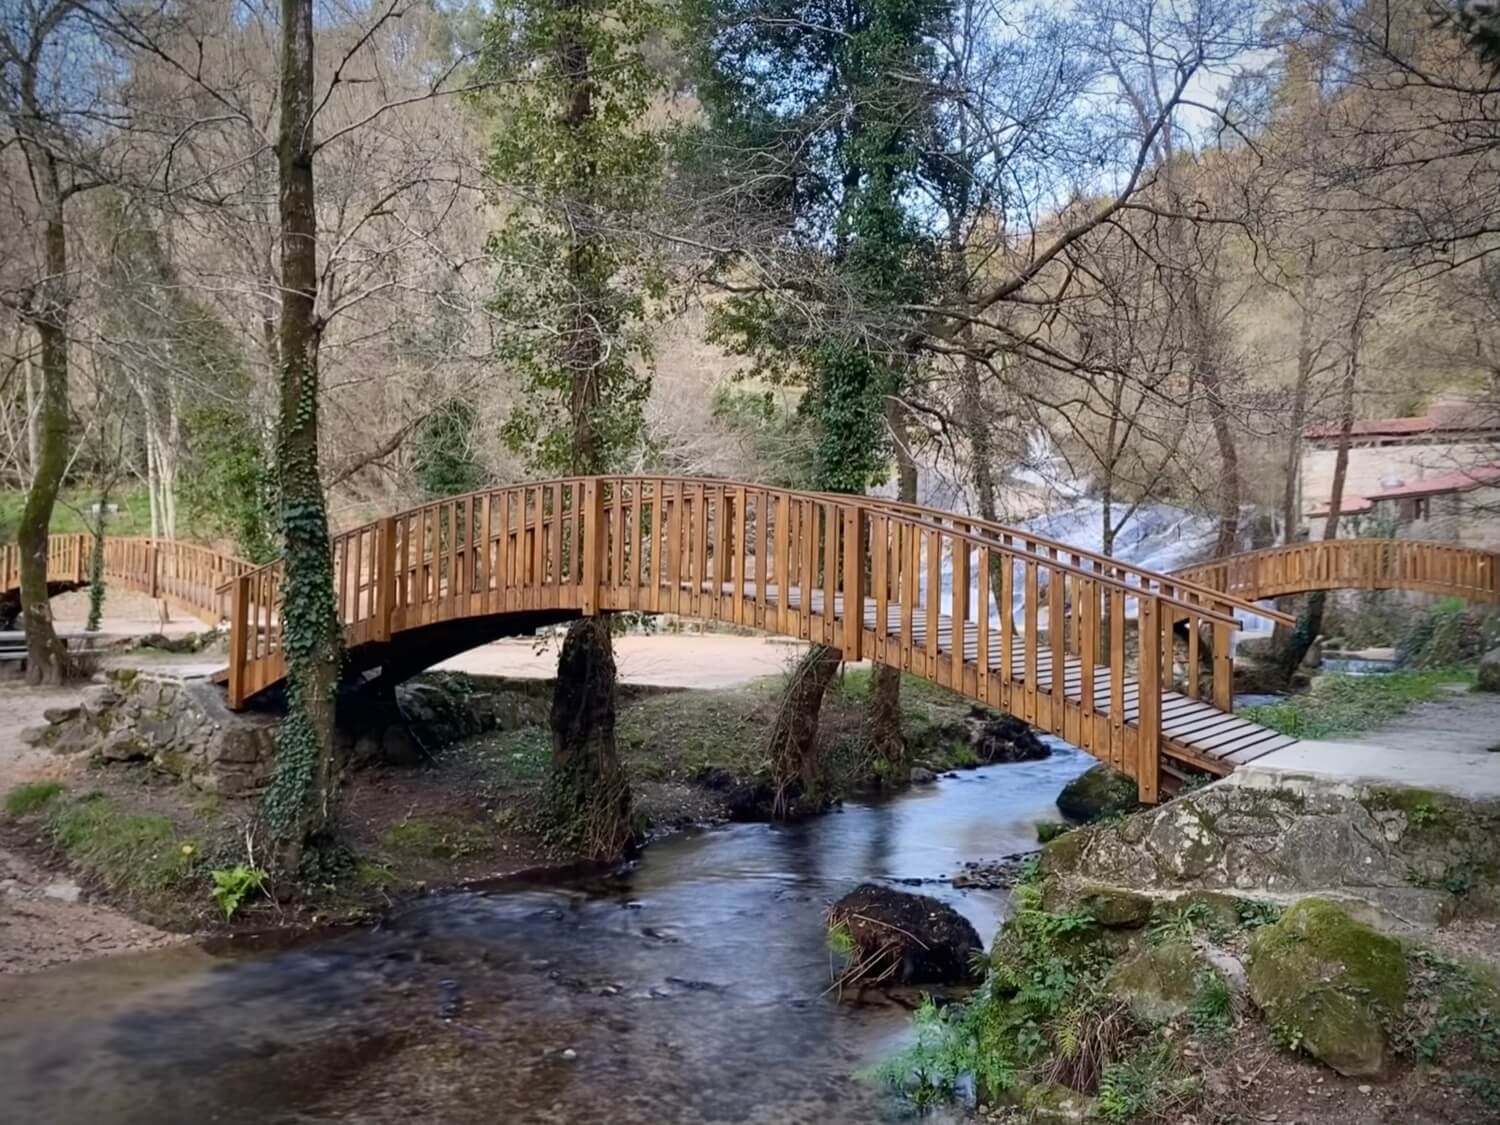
[[149, 798], [1263, 949]]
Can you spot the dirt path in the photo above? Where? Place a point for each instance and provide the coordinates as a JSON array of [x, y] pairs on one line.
[[685, 660], [47, 919]]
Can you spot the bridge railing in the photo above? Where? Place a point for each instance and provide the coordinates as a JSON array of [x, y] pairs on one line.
[[1046, 638], [187, 576]]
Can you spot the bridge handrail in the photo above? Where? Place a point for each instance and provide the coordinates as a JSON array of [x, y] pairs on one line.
[[913, 514]]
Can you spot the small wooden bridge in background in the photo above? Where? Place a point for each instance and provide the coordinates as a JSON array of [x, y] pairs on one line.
[[1414, 565], [1011, 620]]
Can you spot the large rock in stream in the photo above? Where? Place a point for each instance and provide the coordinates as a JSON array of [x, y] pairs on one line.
[[1097, 793], [893, 937]]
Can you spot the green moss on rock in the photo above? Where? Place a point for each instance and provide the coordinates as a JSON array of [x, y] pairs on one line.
[[1158, 982], [1329, 984], [1115, 907], [1097, 793]]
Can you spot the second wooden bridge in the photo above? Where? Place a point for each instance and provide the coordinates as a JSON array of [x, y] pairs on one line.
[[1133, 666]]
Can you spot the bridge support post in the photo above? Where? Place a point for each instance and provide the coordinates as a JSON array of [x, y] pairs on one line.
[[385, 581], [239, 631], [1148, 752], [1223, 668], [592, 578]]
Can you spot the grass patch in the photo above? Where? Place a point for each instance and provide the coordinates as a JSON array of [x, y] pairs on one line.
[[26, 799], [133, 517], [141, 858], [438, 837], [1340, 704]]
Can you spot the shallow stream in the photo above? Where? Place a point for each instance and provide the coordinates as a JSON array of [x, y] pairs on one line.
[[690, 987]]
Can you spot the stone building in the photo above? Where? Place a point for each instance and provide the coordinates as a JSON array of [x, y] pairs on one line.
[[1434, 477]]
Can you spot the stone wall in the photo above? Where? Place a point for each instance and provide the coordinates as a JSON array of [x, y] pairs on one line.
[[183, 727]]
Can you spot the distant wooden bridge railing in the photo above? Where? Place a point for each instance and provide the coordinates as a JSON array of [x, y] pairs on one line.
[[186, 576], [1044, 639], [1354, 564]]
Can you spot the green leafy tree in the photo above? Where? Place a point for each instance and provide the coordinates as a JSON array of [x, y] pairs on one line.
[[830, 107], [581, 164], [444, 455]]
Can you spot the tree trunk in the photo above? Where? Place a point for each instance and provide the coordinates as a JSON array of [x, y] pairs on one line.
[[46, 655], [1227, 541], [1291, 518], [300, 800], [587, 796], [887, 739], [96, 563], [797, 769], [1310, 620]]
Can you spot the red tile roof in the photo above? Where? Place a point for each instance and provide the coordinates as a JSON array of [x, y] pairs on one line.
[[1462, 480], [1352, 506]]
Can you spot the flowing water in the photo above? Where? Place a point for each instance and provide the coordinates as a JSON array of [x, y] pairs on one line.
[[689, 988]]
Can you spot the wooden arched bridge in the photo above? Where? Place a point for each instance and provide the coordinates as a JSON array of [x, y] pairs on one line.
[[1414, 565], [1044, 638]]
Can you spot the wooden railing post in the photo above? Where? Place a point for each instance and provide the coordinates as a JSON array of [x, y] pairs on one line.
[[385, 579], [1223, 668], [593, 546], [239, 629], [1148, 723], [854, 582]]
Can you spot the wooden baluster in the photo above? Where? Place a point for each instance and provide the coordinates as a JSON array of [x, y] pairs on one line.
[[700, 551], [830, 521], [674, 550], [933, 540], [1148, 722], [1223, 667], [721, 603], [1086, 624], [982, 625], [807, 565], [239, 621], [959, 602], [854, 579], [880, 561], [911, 570], [1194, 627], [783, 553], [1007, 612], [1030, 640], [386, 597], [594, 546], [1057, 638], [742, 613]]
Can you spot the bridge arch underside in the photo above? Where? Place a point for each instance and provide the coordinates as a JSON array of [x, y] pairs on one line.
[[1195, 736], [10, 600], [1407, 565]]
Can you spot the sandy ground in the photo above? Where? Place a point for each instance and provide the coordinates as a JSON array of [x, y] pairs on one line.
[[46, 919], [687, 660], [126, 614]]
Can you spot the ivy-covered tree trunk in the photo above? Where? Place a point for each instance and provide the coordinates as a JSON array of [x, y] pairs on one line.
[[300, 800], [96, 564], [798, 770], [587, 795], [891, 755], [46, 655]]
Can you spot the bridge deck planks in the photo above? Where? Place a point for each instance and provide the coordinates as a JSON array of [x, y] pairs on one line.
[[1192, 729]]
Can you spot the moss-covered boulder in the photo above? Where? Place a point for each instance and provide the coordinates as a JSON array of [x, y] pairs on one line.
[[1158, 982], [1115, 907], [1099, 792], [1329, 984]]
